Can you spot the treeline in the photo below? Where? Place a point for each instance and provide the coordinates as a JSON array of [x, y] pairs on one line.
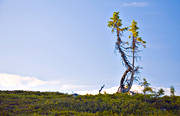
[[54, 103]]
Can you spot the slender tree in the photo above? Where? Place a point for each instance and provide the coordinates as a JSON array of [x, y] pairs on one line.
[[101, 88], [172, 91], [160, 92], [136, 42], [146, 85], [125, 50]]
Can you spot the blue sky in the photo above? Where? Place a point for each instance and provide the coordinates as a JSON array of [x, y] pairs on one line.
[[67, 46]]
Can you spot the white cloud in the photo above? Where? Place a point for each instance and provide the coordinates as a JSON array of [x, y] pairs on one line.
[[166, 90], [17, 82], [67, 87], [135, 88], [14, 82], [135, 4]]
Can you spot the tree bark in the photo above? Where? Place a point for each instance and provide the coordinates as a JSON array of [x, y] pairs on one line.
[[130, 68]]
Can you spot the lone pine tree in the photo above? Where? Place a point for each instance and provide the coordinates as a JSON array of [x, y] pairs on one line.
[[172, 91], [128, 50]]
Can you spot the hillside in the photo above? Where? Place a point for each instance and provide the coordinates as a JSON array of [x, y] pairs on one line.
[[53, 103]]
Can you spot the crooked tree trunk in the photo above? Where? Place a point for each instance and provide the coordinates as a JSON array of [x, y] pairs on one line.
[[133, 70], [123, 88]]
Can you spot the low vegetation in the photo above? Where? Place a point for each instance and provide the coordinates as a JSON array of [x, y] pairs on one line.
[[54, 104]]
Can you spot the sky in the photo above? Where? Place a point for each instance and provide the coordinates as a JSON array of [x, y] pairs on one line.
[[66, 46]]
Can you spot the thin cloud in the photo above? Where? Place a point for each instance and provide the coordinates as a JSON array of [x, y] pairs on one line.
[[67, 87], [11, 81], [135, 4], [18, 82]]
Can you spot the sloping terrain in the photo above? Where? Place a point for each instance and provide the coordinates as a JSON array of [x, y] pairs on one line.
[[14, 103]]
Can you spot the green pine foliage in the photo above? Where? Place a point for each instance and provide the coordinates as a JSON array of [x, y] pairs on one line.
[[172, 91], [21, 103]]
